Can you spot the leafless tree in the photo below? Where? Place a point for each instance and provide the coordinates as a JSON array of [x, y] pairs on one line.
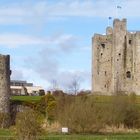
[[74, 86], [54, 85]]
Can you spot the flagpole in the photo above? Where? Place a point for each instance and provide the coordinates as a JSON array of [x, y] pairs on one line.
[[109, 18], [116, 9]]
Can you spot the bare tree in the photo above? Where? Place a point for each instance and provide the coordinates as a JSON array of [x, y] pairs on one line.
[[53, 85], [74, 86]]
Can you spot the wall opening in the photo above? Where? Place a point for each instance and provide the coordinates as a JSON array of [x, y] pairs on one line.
[[128, 74], [105, 73], [103, 45], [119, 54], [101, 54], [130, 41]]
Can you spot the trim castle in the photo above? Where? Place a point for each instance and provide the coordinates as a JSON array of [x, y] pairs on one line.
[[5, 83], [116, 60]]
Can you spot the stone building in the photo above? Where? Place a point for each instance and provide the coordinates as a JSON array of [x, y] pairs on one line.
[[116, 60], [4, 83]]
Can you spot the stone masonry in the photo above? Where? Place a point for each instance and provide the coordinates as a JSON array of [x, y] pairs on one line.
[[116, 60], [4, 83]]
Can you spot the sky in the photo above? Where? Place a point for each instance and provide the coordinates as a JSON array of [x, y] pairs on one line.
[[51, 40]]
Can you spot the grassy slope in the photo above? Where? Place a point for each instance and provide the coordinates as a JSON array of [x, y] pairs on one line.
[[99, 99], [26, 98]]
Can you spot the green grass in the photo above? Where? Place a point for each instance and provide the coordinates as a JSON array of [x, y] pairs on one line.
[[6, 134], [93, 137], [96, 98], [32, 99]]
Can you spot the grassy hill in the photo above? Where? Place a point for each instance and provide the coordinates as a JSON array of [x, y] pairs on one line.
[[95, 98], [31, 99]]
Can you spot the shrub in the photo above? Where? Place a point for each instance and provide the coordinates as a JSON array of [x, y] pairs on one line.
[[4, 120], [27, 125], [82, 115], [47, 106]]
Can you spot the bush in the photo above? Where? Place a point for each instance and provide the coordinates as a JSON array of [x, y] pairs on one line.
[[47, 106], [84, 114], [4, 120], [41, 92], [27, 125]]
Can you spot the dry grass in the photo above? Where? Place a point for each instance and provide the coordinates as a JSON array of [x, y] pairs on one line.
[[52, 128]]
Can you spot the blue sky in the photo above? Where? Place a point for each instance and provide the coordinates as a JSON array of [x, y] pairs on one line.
[[50, 40]]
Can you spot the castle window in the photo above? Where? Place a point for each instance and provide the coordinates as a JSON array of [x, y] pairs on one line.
[[130, 42], [101, 54], [103, 45], [119, 54], [128, 74]]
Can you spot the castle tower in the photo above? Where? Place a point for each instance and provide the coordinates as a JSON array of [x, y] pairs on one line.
[[116, 60], [118, 53], [4, 83]]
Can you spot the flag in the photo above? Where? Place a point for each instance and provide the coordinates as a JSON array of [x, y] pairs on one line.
[[109, 17], [119, 7]]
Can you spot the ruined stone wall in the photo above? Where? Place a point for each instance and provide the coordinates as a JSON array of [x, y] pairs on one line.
[[116, 60], [129, 61], [4, 83], [102, 63], [136, 85]]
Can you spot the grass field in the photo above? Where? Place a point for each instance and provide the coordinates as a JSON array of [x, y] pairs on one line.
[[6, 134], [81, 137], [26, 98], [93, 137], [96, 98]]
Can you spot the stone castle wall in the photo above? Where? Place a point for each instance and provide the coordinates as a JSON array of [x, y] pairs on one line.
[[4, 83], [116, 60]]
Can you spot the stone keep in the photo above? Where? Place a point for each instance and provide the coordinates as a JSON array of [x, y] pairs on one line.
[[4, 83], [116, 60]]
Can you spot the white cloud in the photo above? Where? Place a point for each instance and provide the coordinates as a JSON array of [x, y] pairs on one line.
[[29, 75], [23, 13], [16, 40], [48, 68], [39, 12], [94, 8], [65, 78], [63, 41], [16, 74]]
